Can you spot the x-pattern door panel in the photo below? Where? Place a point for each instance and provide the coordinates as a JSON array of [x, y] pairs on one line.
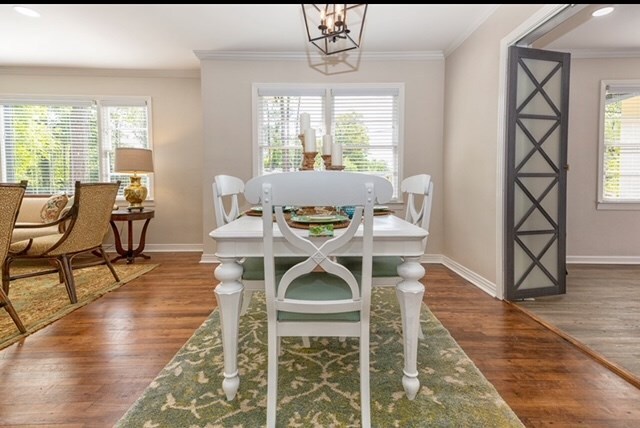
[[536, 178]]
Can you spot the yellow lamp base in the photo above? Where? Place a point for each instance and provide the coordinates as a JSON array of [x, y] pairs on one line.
[[135, 194]]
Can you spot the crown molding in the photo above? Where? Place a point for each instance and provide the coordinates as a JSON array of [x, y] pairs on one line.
[[601, 53], [305, 56], [470, 30], [98, 72]]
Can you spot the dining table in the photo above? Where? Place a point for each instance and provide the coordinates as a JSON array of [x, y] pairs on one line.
[[392, 236]]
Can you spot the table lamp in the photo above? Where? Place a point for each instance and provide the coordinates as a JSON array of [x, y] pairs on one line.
[[133, 161]]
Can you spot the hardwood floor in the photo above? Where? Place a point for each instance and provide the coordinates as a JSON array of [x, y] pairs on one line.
[[86, 369], [600, 313]]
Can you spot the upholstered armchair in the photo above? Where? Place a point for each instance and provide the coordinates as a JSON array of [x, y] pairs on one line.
[[10, 200], [87, 224]]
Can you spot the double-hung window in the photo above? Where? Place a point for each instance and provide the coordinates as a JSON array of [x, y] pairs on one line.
[[54, 142], [619, 148], [365, 119]]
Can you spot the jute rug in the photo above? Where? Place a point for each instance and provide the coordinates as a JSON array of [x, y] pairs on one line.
[[40, 300], [319, 386]]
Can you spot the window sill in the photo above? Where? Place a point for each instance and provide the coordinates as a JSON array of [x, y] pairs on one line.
[[618, 206]]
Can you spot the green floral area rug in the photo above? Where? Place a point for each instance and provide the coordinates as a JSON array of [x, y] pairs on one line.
[[319, 386]]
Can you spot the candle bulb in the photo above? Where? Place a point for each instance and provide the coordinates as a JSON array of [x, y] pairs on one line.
[[309, 140], [336, 154], [326, 144], [305, 122]]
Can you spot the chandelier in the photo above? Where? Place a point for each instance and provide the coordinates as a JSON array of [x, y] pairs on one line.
[[334, 28]]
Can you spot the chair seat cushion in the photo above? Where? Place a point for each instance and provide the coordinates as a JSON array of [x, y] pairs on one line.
[[253, 267], [39, 245], [383, 266], [318, 286], [20, 234]]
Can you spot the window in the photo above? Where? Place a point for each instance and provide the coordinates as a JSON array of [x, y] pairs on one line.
[[53, 143], [365, 119], [619, 165]]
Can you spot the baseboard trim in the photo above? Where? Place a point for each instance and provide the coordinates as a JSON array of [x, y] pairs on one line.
[[169, 248], [608, 260], [479, 281], [208, 258]]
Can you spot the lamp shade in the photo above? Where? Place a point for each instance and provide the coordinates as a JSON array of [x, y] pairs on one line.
[[129, 160]]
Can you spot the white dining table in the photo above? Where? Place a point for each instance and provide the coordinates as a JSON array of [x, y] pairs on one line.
[[392, 236]]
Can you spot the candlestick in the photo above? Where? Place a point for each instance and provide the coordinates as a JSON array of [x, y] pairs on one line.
[[327, 140], [327, 161]]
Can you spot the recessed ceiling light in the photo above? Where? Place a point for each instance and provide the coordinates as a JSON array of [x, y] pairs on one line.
[[26, 11], [603, 11]]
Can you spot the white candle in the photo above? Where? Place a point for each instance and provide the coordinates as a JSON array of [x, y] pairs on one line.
[[326, 144], [336, 154], [309, 140], [305, 122]]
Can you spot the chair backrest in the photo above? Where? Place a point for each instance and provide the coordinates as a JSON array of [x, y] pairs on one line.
[[90, 215], [418, 187], [318, 188], [226, 187], [10, 200]]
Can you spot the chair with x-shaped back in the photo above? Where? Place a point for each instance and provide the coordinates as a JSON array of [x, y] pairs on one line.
[[419, 192], [227, 188], [318, 296]]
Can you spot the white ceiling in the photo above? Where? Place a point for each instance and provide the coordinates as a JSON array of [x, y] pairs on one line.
[[617, 33], [122, 36], [164, 37]]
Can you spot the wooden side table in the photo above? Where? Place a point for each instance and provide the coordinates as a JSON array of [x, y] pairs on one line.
[[130, 216]]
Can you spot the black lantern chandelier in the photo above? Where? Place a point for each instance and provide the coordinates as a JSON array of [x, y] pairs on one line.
[[334, 28]]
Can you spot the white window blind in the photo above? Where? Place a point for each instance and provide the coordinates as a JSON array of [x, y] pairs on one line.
[[367, 128], [365, 120], [50, 145], [279, 148], [621, 144]]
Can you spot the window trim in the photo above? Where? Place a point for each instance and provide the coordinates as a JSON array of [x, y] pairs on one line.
[[99, 101], [601, 203], [326, 90]]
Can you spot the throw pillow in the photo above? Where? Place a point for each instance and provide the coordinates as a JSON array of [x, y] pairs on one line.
[[52, 208]]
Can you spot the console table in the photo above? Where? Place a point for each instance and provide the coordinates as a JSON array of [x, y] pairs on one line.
[[130, 216]]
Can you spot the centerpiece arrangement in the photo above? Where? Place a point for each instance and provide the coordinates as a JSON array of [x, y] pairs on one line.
[[331, 152]]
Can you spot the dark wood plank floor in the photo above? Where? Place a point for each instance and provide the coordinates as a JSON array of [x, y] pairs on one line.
[[86, 369], [600, 312]]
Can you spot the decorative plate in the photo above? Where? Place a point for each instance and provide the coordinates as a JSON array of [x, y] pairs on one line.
[[319, 218]]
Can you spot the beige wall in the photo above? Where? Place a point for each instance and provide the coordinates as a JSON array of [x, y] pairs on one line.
[[226, 97], [592, 232], [470, 142], [177, 143]]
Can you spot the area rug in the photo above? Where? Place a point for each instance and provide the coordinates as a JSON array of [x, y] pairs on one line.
[[319, 386], [40, 300]]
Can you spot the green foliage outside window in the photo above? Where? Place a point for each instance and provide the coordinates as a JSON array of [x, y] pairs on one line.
[[40, 142], [612, 156]]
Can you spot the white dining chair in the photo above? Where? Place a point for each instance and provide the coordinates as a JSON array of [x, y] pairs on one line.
[[419, 192], [319, 296], [229, 188]]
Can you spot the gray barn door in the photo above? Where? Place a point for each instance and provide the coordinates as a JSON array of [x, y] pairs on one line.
[[538, 104]]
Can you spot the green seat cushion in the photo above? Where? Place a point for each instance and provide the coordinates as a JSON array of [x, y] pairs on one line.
[[319, 286], [253, 267], [383, 266]]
